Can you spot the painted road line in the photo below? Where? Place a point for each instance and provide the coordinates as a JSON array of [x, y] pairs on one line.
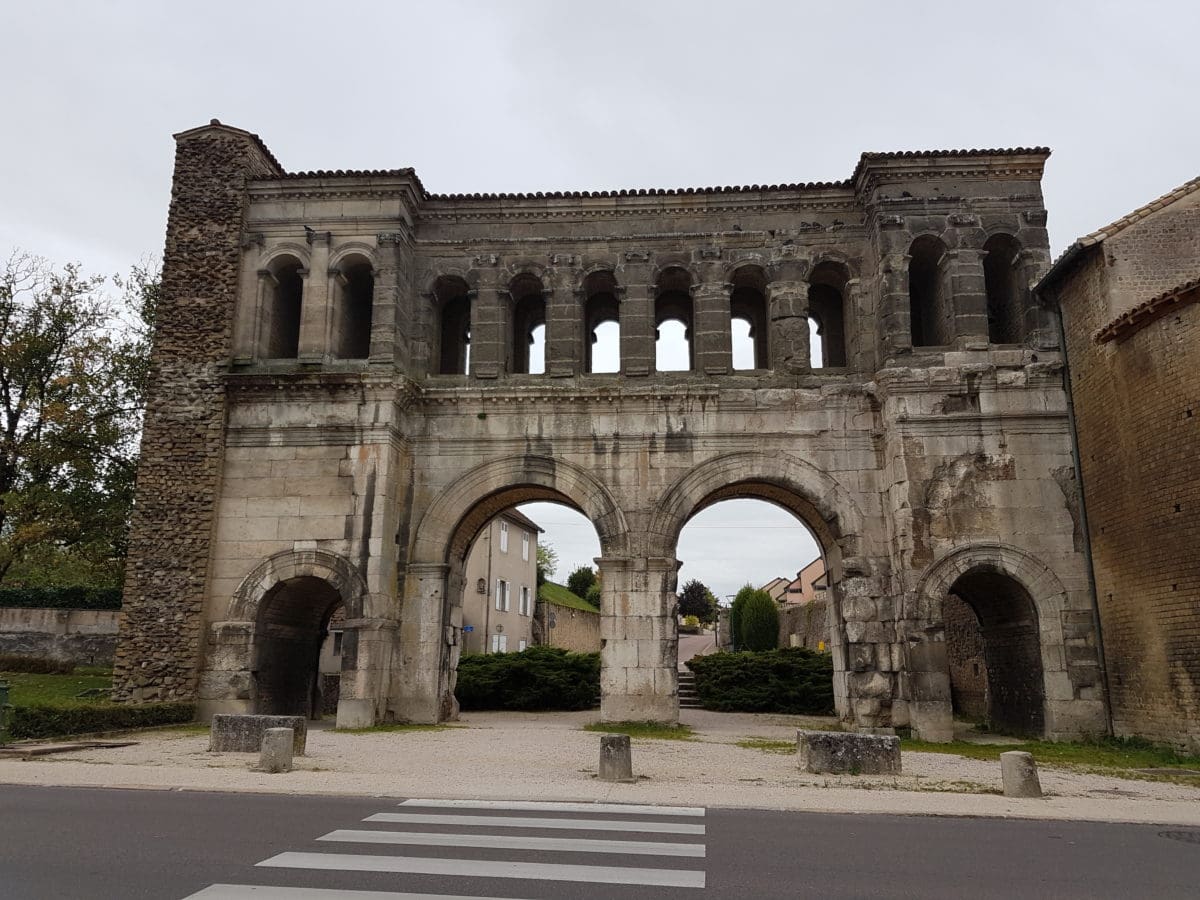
[[478, 868], [546, 806], [527, 822], [512, 842], [270, 892]]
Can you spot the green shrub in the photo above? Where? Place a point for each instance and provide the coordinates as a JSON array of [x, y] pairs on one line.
[[794, 680], [540, 678], [735, 615], [581, 580], [56, 721], [759, 625], [35, 665], [73, 597]]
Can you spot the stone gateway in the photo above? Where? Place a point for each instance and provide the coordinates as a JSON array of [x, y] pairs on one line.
[[344, 394]]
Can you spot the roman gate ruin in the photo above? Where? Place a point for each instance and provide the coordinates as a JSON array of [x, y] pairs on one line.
[[342, 398]]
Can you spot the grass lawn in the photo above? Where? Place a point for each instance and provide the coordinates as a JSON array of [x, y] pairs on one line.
[[57, 690], [1106, 756], [645, 730]]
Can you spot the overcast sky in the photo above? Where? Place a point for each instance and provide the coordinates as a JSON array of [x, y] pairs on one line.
[[550, 95]]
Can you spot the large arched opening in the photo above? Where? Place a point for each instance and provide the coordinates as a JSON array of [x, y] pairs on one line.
[[292, 624]]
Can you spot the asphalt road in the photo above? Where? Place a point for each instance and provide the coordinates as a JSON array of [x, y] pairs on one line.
[[89, 843]]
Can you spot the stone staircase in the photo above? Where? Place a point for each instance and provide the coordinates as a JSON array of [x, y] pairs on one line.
[[687, 691]]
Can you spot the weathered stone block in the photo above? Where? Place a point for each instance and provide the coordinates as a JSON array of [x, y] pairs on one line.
[[616, 758], [845, 753], [244, 734], [1018, 771], [276, 752]]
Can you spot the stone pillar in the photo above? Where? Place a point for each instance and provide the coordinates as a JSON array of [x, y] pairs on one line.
[[314, 307], [367, 646], [490, 330], [712, 330], [179, 475], [564, 320], [787, 311], [226, 683], [249, 304], [637, 329], [1039, 323], [927, 687], [968, 293], [639, 655], [387, 347], [894, 302], [424, 671]]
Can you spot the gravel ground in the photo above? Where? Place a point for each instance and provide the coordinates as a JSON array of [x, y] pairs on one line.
[[548, 756]]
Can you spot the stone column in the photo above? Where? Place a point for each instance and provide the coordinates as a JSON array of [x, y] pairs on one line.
[[926, 686], [424, 661], [787, 311], [893, 297], [564, 320], [712, 329], [637, 330], [386, 346], [367, 646], [490, 331], [256, 348], [968, 293], [1039, 323], [249, 304], [314, 307], [639, 678]]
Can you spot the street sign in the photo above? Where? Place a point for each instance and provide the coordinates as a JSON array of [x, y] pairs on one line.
[[468, 628]]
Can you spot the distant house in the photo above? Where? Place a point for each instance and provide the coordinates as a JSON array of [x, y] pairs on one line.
[[809, 584], [566, 620], [776, 587], [501, 586]]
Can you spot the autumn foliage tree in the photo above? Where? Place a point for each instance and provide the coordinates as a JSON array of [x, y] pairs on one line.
[[73, 366]]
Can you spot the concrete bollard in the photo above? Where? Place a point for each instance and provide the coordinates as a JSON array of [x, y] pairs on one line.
[[616, 758], [1018, 771], [276, 754]]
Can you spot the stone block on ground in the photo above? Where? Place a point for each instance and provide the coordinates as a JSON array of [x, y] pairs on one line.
[[1018, 771], [233, 733], [616, 758], [276, 753], [846, 753]]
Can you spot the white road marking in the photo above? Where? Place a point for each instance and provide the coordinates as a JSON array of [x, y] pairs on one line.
[[348, 862], [543, 806], [513, 842], [525, 822], [270, 892]]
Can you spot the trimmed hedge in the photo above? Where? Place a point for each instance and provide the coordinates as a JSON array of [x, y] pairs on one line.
[[540, 678], [35, 665], [793, 680], [73, 597], [56, 721]]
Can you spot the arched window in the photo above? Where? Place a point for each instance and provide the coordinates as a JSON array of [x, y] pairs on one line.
[[748, 315], [932, 321], [673, 350], [601, 323], [281, 309], [1005, 298], [354, 295], [452, 298], [529, 325], [827, 314]]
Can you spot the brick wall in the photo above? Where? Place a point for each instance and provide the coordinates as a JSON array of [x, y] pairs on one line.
[[1137, 404], [179, 476]]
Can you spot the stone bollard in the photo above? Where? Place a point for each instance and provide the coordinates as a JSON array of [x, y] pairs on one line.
[[276, 755], [1018, 771], [616, 758]]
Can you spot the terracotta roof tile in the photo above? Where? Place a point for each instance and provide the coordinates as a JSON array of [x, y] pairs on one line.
[[1148, 310]]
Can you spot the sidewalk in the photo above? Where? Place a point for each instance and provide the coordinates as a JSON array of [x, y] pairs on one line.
[[547, 756]]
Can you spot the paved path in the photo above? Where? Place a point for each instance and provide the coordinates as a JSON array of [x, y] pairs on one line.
[[86, 843], [694, 645]]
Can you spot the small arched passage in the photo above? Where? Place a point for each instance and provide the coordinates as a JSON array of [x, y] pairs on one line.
[[674, 347], [529, 324], [354, 297], [827, 314], [931, 313], [1005, 298], [292, 623], [748, 318], [280, 326], [601, 323], [452, 315]]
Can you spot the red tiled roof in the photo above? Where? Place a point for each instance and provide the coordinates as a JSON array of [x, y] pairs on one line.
[[1147, 311]]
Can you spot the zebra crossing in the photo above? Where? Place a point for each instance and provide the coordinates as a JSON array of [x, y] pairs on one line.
[[455, 844]]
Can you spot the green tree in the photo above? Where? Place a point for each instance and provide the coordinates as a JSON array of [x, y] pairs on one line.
[[593, 592], [735, 615], [695, 600], [73, 368], [547, 562], [581, 580], [759, 624]]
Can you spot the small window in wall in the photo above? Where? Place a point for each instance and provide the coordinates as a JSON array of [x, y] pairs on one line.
[[529, 325], [673, 351], [452, 334], [523, 606], [522, 644], [525, 546], [827, 315], [281, 309], [337, 643], [748, 318], [503, 537], [931, 312], [499, 643], [601, 323], [1005, 298], [502, 598], [354, 295]]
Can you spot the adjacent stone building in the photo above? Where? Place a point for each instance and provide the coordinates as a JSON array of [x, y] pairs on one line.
[[1130, 300], [344, 394]]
